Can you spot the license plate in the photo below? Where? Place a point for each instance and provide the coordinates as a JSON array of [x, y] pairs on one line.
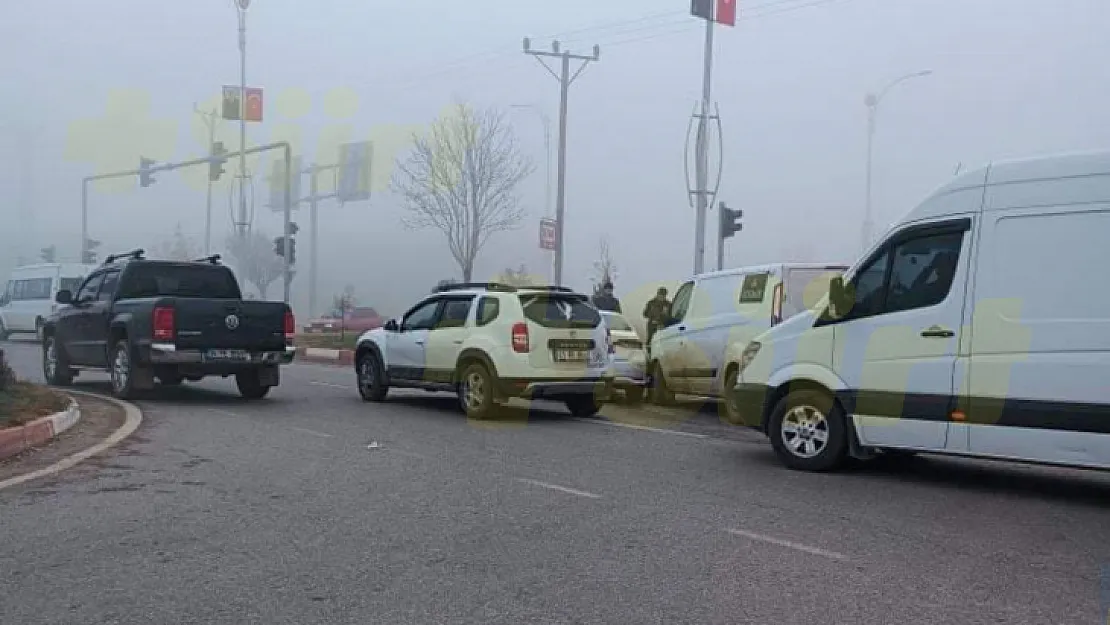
[[570, 355], [233, 355]]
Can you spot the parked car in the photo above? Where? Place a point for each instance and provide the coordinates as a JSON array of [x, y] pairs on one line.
[[358, 320], [974, 327], [628, 364], [490, 342], [714, 310], [28, 297], [172, 321]]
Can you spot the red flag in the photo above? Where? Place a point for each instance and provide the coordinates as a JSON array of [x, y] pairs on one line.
[[726, 12], [254, 104]]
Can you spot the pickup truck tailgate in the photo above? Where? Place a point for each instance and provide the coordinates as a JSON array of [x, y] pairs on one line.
[[229, 324]]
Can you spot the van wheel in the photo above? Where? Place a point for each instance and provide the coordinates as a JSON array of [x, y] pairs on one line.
[[55, 364], [370, 378], [728, 409], [808, 431]]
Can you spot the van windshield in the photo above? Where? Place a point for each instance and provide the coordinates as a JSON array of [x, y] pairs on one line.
[[805, 288]]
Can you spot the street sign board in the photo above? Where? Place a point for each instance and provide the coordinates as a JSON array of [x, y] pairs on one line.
[[277, 184], [355, 160], [232, 103], [548, 234]]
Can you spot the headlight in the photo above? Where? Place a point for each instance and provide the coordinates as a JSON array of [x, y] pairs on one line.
[[749, 354]]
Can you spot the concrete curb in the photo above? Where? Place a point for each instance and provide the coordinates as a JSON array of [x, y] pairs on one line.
[[339, 357], [14, 441], [133, 419]]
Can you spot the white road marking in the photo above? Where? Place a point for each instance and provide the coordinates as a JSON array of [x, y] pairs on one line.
[[133, 418], [640, 427], [226, 413], [401, 452], [788, 544], [329, 385], [561, 489], [312, 432]]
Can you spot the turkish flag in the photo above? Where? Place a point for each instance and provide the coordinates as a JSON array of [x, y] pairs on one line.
[[726, 12], [254, 104]]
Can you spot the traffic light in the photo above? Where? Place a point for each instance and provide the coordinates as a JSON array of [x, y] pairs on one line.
[[49, 254], [89, 257], [279, 246], [218, 157], [292, 229], [730, 221], [292, 251], [145, 175]]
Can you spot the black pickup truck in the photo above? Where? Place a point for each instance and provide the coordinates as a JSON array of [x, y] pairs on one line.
[[145, 320]]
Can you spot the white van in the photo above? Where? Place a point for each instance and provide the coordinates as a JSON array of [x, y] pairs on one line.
[[28, 298], [976, 327], [712, 310]]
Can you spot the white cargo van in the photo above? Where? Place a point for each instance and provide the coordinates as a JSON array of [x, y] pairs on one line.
[[975, 327], [28, 298], [712, 310]]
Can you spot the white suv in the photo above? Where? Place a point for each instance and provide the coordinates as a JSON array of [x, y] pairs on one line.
[[490, 342]]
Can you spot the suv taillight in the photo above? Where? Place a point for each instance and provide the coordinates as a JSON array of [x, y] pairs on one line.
[[776, 305], [163, 322], [290, 326], [520, 337]]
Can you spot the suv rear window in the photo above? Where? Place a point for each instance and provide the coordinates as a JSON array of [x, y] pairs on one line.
[[560, 310], [169, 280]]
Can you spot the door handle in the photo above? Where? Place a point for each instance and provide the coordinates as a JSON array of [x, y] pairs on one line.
[[681, 328], [937, 332], [458, 342], [419, 342]]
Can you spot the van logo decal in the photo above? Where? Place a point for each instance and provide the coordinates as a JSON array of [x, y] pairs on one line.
[[232, 322]]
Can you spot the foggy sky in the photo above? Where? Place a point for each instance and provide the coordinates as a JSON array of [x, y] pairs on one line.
[[1011, 78]]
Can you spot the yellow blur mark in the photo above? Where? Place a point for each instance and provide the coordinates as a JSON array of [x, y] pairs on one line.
[[293, 103], [115, 141], [341, 103], [1001, 341]]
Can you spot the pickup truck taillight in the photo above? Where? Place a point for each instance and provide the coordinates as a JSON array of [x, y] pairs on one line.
[[164, 323], [290, 327], [520, 337]]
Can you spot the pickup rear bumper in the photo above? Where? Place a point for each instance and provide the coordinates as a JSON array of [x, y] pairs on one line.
[[168, 354]]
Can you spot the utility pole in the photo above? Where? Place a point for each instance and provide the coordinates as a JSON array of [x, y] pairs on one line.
[[210, 120], [565, 79], [242, 224], [314, 198], [701, 162]]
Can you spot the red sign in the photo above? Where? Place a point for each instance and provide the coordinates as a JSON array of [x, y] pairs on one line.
[[548, 234], [254, 104], [726, 12]]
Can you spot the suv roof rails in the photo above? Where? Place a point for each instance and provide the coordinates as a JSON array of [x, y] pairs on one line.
[[548, 287], [214, 259], [489, 286], [133, 255]]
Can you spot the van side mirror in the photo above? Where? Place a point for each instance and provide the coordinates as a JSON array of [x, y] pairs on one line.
[[64, 296], [839, 296], [391, 325]]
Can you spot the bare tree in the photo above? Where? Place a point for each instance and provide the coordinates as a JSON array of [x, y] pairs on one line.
[[255, 260], [605, 268], [342, 305], [178, 247], [461, 178], [517, 277]]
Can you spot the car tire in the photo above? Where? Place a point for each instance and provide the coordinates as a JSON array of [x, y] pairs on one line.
[[370, 377], [250, 385], [55, 363], [809, 432], [122, 371], [660, 393], [171, 379], [727, 408], [634, 395], [477, 398], [584, 406]]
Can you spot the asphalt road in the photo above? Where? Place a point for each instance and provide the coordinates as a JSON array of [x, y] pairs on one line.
[[314, 507]]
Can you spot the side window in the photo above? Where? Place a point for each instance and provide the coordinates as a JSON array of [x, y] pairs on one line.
[[922, 271], [17, 290], [6, 296], [108, 286], [681, 301], [488, 309], [422, 317], [454, 312], [87, 292], [868, 287]]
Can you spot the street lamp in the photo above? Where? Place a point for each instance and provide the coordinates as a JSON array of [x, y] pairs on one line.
[[872, 101], [241, 7], [547, 153]]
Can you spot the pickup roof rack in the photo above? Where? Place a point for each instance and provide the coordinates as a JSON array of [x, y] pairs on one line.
[[214, 259], [133, 255], [497, 286]]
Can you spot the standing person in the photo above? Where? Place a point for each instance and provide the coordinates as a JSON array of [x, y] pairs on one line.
[[605, 300], [655, 313]]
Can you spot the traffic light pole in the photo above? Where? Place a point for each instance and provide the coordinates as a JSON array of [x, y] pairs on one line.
[[313, 202], [565, 79], [284, 146], [209, 123]]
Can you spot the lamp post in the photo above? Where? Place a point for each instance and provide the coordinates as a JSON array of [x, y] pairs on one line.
[[241, 7], [872, 101], [211, 119], [546, 150]]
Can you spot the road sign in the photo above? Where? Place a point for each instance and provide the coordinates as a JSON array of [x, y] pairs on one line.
[[232, 103], [354, 171], [548, 234], [277, 184]]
